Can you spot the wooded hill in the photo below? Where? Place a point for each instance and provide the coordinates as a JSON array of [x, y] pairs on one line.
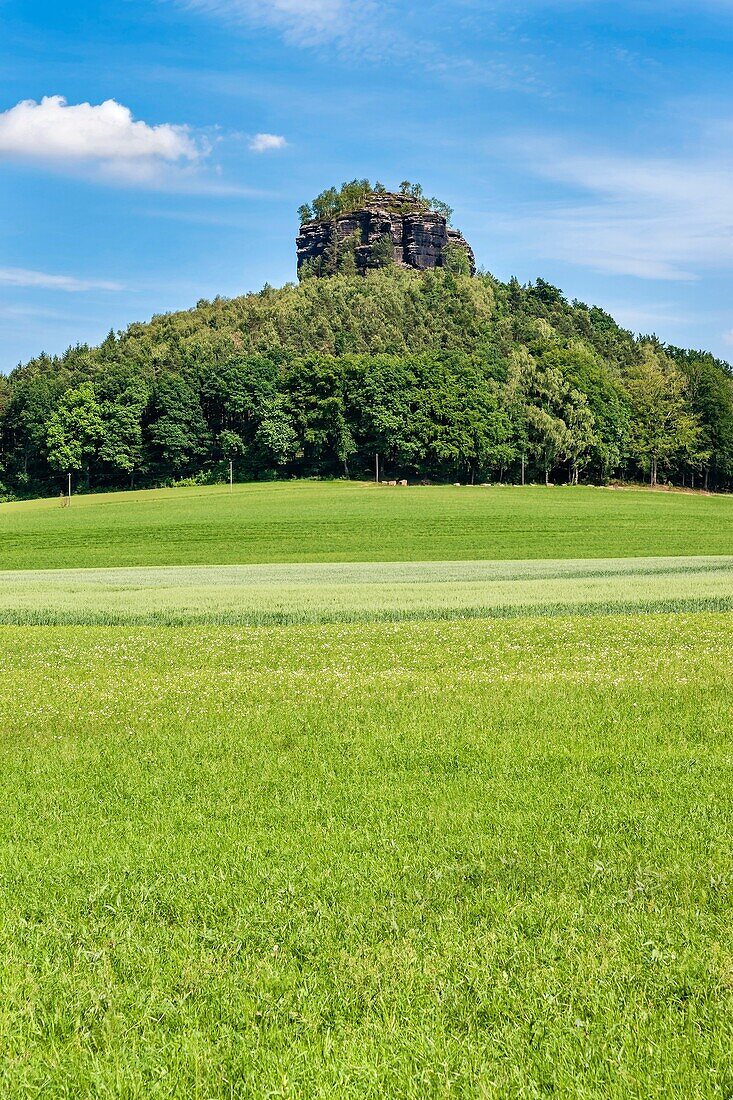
[[447, 377]]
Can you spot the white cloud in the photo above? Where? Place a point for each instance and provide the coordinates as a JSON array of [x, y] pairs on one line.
[[104, 136], [663, 218], [20, 276], [266, 143]]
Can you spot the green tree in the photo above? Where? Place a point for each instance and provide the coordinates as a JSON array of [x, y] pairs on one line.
[[382, 252], [276, 435], [553, 420], [230, 444], [455, 259], [121, 445], [582, 435], [602, 389], [662, 424], [178, 435], [347, 258], [710, 396], [32, 393], [310, 269], [347, 266], [441, 208], [74, 430], [533, 398], [326, 205]]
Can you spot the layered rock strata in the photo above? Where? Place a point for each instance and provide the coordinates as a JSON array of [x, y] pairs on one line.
[[419, 237]]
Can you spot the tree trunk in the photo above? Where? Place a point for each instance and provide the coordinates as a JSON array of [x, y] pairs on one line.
[[653, 472], [547, 475]]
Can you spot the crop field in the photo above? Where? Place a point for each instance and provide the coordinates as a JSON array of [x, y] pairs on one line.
[[311, 593], [282, 817], [354, 522]]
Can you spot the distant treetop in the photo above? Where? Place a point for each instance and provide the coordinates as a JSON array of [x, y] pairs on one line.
[[356, 194]]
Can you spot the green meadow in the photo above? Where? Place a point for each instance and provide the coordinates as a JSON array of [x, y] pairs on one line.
[[336, 791], [357, 522]]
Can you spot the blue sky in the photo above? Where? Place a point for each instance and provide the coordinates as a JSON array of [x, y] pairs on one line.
[[152, 154]]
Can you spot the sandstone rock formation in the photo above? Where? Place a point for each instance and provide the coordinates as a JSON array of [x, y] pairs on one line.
[[418, 237]]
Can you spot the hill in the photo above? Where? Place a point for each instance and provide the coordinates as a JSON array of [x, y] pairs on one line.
[[446, 377]]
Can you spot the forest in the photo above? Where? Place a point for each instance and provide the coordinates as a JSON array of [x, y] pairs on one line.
[[447, 378]]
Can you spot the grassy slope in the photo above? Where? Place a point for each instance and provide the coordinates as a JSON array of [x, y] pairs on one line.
[[316, 592], [476, 860], [302, 521]]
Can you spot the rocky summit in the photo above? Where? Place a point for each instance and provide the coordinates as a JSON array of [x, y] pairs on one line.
[[388, 228]]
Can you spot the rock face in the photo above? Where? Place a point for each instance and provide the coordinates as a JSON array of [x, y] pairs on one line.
[[418, 237]]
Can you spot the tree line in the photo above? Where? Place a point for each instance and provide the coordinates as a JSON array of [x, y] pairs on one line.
[[353, 194], [447, 378]]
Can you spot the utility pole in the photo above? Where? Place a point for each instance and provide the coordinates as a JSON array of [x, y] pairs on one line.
[[377, 468], [231, 475]]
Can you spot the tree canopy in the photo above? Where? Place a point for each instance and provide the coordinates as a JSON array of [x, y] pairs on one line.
[[446, 377], [353, 195]]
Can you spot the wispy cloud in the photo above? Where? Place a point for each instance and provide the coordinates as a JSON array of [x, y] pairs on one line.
[[378, 32], [666, 218], [304, 22], [42, 280], [650, 316], [267, 143], [314, 22], [22, 313]]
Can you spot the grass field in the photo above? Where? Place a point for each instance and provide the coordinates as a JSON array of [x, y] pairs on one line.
[[354, 522], [336, 825], [270, 594], [480, 859]]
